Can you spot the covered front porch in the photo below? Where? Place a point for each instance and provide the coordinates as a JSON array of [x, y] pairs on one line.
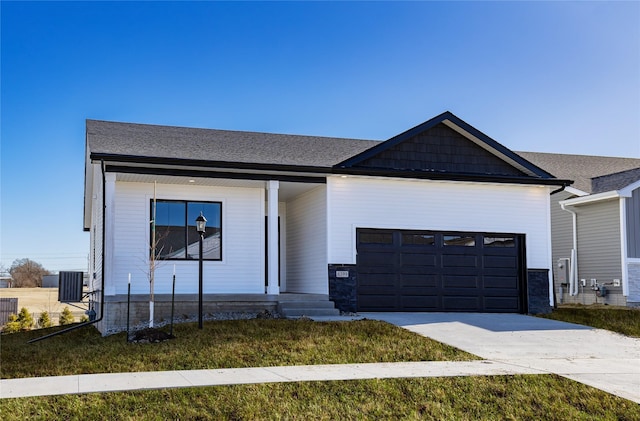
[[272, 239]]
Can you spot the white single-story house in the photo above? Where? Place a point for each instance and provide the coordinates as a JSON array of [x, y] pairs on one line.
[[438, 218], [595, 227]]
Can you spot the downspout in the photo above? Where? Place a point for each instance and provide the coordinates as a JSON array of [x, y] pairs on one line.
[[573, 273], [99, 319], [552, 292]]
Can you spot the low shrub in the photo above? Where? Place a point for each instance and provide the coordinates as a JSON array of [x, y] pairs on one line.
[[21, 322], [66, 317], [44, 320], [13, 325]]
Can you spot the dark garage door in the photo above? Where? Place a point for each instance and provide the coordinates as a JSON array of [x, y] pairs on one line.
[[400, 270]]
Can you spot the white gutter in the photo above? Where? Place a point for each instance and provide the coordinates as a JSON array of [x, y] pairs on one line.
[[614, 194]]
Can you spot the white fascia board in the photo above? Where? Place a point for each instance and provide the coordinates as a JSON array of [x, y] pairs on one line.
[[591, 198], [627, 191], [576, 192]]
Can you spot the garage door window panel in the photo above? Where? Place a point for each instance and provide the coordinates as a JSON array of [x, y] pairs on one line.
[[411, 239], [376, 237], [460, 240], [503, 241]]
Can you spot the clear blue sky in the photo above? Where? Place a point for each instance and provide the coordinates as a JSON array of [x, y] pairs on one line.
[[536, 76]]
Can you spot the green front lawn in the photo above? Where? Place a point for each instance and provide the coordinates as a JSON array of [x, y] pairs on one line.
[[623, 320], [221, 344]]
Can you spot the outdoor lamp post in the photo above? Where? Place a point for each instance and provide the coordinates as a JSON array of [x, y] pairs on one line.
[[201, 223]]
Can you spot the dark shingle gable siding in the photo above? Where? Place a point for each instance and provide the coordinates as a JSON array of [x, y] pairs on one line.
[[440, 149]]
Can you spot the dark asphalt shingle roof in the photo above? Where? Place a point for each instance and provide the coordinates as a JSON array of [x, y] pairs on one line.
[[145, 140], [615, 181], [581, 168]]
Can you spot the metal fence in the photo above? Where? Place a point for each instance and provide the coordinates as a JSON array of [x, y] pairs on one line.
[[7, 306]]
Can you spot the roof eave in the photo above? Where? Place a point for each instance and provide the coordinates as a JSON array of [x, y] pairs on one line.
[[468, 177], [180, 162]]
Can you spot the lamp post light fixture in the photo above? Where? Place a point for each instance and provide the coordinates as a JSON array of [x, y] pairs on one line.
[[201, 223]]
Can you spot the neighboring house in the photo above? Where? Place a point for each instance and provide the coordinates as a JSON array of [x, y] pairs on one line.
[[595, 224], [438, 218], [5, 281]]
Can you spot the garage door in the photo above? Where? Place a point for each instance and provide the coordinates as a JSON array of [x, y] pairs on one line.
[[400, 270]]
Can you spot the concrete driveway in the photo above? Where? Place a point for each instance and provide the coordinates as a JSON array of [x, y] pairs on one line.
[[596, 357]]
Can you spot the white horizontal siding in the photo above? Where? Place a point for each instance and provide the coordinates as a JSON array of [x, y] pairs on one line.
[[96, 231], [429, 205], [242, 267], [307, 243]]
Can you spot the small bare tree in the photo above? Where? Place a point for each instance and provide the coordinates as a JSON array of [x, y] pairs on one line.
[[150, 263], [27, 274]]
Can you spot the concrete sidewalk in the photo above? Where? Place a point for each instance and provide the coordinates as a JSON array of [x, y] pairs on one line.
[[113, 382]]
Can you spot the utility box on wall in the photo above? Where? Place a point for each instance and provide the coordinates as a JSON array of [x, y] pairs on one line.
[[563, 271], [70, 289]]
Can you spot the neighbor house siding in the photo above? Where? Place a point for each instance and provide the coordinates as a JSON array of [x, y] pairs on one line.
[[307, 243], [359, 202], [633, 271], [633, 224], [242, 267], [561, 233], [561, 228], [599, 241]]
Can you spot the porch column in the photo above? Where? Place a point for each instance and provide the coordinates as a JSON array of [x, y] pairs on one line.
[[272, 230]]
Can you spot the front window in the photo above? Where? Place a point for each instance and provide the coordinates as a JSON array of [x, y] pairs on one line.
[[175, 229]]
